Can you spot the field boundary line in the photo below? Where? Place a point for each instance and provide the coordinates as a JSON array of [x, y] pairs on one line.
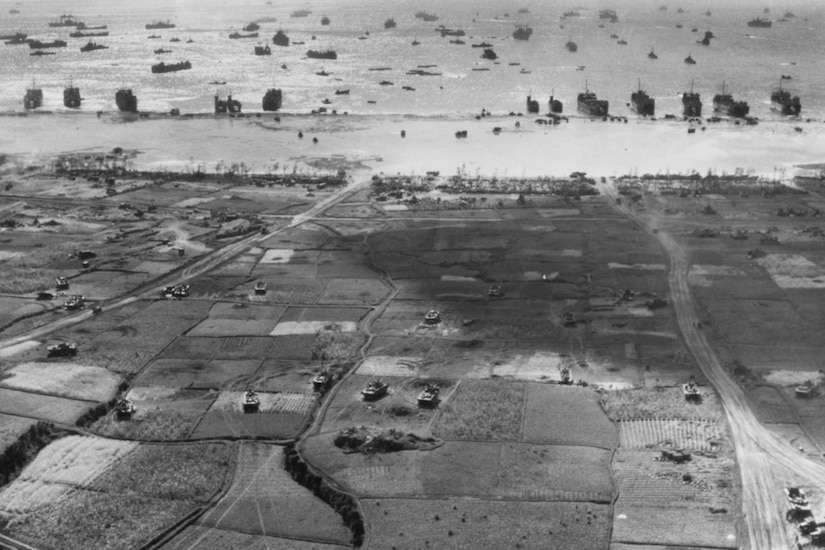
[[6, 542]]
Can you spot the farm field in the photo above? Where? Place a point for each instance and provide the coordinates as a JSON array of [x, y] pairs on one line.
[[264, 500], [459, 524], [561, 415], [483, 410], [11, 428], [42, 407], [63, 380], [210, 538]]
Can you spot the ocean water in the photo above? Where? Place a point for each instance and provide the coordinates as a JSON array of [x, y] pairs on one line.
[[748, 60]]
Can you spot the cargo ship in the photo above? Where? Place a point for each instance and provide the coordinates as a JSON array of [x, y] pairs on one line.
[[92, 46], [65, 21], [126, 100], [522, 32], [160, 25], [171, 67], [589, 104], [691, 103], [426, 16], [327, 54], [71, 97], [33, 98], [761, 23], [280, 39], [273, 98], [641, 102], [37, 44], [84, 34], [784, 103], [725, 104]]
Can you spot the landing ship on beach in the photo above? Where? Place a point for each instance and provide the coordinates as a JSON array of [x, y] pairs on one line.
[[126, 100], [642, 103], [227, 105], [782, 102], [33, 98], [691, 103], [589, 104], [71, 97], [390, 23], [273, 98], [725, 104], [280, 39], [522, 32]]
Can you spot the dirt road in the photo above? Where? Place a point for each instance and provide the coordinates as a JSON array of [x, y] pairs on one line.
[[765, 461]]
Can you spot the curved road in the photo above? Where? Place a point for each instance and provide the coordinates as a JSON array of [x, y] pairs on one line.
[[766, 462]]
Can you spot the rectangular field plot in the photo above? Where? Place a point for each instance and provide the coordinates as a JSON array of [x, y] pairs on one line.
[[11, 428], [354, 291], [227, 424], [696, 435], [677, 527], [565, 415], [288, 403], [198, 373], [43, 407], [230, 347], [208, 538], [264, 500], [289, 289], [63, 380], [464, 524], [483, 410]]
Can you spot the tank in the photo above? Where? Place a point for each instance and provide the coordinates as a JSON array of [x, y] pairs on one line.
[[691, 390], [124, 409], [321, 382], [433, 317], [63, 349], [251, 402], [375, 390], [428, 397], [260, 288]]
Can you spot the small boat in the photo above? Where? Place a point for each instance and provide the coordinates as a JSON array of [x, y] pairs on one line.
[[689, 60], [236, 35], [416, 43], [325, 20], [390, 23], [263, 50], [161, 50], [171, 67], [342, 92], [251, 27], [622, 42], [571, 46], [41, 52], [326, 54], [300, 13], [652, 54], [280, 39]]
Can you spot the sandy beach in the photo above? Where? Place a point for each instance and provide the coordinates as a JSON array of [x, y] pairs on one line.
[[600, 148]]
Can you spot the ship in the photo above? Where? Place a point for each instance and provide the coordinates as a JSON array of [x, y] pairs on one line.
[[326, 54], [522, 32], [33, 98], [784, 103], [760, 23], [325, 20], [236, 35], [65, 21], [37, 44], [17, 39], [171, 67], [555, 105], [273, 98], [83, 34], [390, 23], [160, 25], [725, 104], [532, 105], [428, 398], [571, 46], [652, 54], [227, 105], [691, 103], [15, 36], [426, 16], [589, 104], [126, 100], [300, 13], [706, 40], [609, 15], [263, 50], [642, 103], [689, 60], [280, 39], [41, 52], [375, 390], [251, 403], [92, 46], [571, 13], [489, 54], [252, 27], [71, 97]]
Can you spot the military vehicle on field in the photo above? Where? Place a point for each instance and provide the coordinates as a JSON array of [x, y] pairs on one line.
[[566, 376], [375, 390], [691, 390], [124, 409], [429, 396], [495, 291], [260, 288], [678, 456], [63, 349], [251, 402], [76, 301], [433, 317], [61, 283], [568, 319], [808, 389], [175, 291], [321, 382]]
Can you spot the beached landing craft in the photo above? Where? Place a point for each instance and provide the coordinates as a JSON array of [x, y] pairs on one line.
[[280, 39], [227, 105], [522, 32], [126, 100], [555, 105], [273, 98], [725, 104], [641, 102], [571, 46], [691, 103], [589, 104], [33, 98], [263, 50], [532, 105], [71, 97], [390, 23], [784, 103]]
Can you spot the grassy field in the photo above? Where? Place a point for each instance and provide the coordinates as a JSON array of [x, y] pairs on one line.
[[561, 415], [63, 380], [208, 538], [11, 428], [462, 524], [685, 527], [667, 403], [482, 410], [43, 407]]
